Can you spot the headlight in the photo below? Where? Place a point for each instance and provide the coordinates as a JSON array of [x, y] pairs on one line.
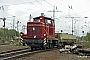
[[34, 36], [44, 34], [40, 18]]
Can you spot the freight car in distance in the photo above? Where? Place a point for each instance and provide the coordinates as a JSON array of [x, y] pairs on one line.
[[65, 39]]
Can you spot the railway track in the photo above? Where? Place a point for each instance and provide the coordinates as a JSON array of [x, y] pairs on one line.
[[14, 54]]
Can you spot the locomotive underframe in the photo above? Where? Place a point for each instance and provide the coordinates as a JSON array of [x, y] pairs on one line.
[[40, 43]]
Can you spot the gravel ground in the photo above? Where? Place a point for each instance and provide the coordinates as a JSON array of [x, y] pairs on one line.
[[40, 56], [71, 57]]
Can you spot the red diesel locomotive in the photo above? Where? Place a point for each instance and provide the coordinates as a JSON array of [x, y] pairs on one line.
[[40, 33]]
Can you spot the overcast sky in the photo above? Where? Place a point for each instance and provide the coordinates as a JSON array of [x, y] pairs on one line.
[[21, 9]]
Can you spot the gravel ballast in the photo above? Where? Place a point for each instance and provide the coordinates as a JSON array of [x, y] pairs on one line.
[[4, 48], [53, 55], [49, 55]]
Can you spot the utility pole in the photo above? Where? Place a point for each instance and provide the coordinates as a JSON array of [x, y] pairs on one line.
[[23, 28], [3, 20], [70, 7], [30, 18], [54, 10], [17, 25], [72, 22], [13, 22]]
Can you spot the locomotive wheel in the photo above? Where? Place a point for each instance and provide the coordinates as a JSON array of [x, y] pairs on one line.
[[50, 46], [35, 48], [40, 48], [32, 48], [44, 48]]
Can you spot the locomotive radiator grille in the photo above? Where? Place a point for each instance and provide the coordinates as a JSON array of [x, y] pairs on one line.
[[35, 32]]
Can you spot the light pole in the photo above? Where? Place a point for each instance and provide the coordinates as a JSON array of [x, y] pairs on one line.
[[13, 22], [18, 26], [75, 31]]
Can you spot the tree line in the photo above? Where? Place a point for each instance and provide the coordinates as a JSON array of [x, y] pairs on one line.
[[8, 34], [87, 37]]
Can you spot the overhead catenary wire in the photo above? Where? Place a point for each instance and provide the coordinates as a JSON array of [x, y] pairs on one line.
[[52, 5], [32, 2], [38, 6], [17, 3], [44, 7], [36, 1], [68, 6], [41, 4], [48, 3], [61, 3]]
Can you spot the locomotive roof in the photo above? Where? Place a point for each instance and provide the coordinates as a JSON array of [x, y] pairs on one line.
[[44, 17]]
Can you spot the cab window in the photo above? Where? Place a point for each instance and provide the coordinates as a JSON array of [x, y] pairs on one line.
[[47, 21]]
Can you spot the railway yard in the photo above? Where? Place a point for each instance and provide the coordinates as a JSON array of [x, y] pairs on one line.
[[24, 53], [28, 31], [42, 43]]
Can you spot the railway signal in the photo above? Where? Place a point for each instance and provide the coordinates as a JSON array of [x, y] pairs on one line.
[[82, 31], [3, 21], [83, 35], [61, 30]]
